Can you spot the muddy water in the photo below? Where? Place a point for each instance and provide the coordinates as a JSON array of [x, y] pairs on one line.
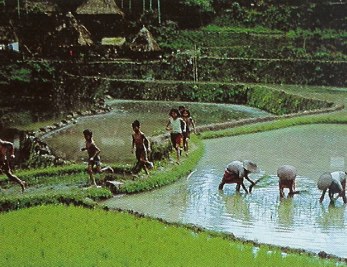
[[298, 222], [112, 131]]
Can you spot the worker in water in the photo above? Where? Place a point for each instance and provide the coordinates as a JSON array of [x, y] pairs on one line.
[[235, 173]]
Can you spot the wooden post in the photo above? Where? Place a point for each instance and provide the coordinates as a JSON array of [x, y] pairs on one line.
[[159, 15], [18, 8]]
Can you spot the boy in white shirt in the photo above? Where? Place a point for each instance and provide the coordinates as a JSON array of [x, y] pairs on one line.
[[175, 127]]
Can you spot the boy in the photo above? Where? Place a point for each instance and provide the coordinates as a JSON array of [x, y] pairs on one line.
[[141, 146], [93, 156], [175, 126], [5, 149], [185, 115]]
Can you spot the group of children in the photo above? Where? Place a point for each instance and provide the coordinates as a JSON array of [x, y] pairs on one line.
[[180, 124], [333, 182]]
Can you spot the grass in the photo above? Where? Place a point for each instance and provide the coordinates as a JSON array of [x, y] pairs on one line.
[[235, 29], [34, 236], [172, 172], [72, 236], [68, 184], [336, 117]]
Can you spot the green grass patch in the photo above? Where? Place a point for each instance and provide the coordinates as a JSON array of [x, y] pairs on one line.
[[337, 117], [86, 197], [235, 29], [72, 236]]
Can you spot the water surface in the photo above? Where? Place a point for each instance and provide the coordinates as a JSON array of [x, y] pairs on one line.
[[112, 131], [298, 222]]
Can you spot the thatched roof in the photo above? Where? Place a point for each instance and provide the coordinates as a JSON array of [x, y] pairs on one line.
[[70, 33], [144, 42], [99, 7]]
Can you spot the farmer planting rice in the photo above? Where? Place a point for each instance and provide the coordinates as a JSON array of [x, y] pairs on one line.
[[335, 182], [286, 175], [236, 171]]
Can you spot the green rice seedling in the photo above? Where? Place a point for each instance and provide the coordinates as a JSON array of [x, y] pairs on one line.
[[74, 196], [72, 236]]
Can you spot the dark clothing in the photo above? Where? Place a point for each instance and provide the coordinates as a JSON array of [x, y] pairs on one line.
[[176, 140], [4, 166]]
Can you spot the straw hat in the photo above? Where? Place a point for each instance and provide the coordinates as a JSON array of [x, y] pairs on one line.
[[324, 181], [235, 166], [287, 172], [250, 166]]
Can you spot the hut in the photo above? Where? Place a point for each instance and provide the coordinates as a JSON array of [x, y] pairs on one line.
[[69, 37], [102, 17], [99, 7], [143, 45]]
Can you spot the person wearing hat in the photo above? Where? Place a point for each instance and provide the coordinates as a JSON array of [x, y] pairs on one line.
[[335, 182], [235, 173], [286, 175]]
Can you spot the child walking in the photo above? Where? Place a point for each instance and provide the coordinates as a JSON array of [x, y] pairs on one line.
[[94, 156], [177, 127], [7, 149], [189, 123], [141, 147]]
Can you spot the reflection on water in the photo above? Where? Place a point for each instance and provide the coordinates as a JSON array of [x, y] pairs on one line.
[[112, 131], [299, 222]]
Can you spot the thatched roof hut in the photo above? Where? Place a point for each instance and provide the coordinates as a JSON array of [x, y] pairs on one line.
[[144, 42], [99, 7], [71, 33]]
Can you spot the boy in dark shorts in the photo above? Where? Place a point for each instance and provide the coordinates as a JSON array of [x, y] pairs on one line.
[[94, 163], [141, 147], [6, 148]]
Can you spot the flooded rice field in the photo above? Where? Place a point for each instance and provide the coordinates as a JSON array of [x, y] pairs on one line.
[[112, 131], [298, 222]]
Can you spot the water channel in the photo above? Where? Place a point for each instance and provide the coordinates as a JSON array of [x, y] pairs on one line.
[[298, 222]]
